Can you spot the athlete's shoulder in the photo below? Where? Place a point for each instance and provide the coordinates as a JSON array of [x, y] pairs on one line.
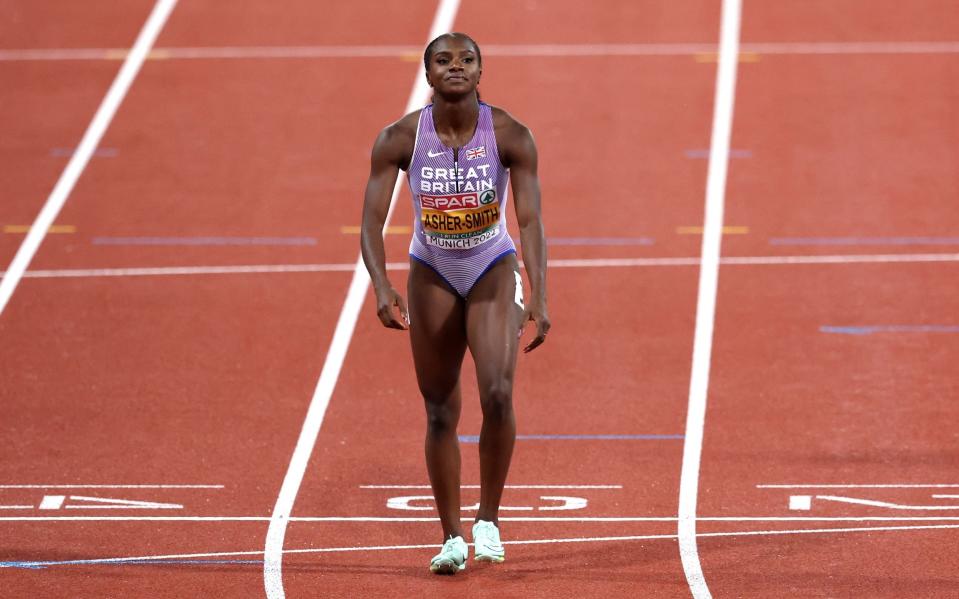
[[514, 139], [505, 122], [401, 130], [395, 142]]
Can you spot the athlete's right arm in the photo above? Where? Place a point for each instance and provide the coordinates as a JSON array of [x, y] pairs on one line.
[[390, 152]]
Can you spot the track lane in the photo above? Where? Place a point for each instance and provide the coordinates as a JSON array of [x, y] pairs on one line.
[[165, 378], [182, 176], [68, 24], [372, 434], [620, 21], [870, 163], [80, 541], [849, 20], [299, 22], [791, 403], [219, 359], [389, 413], [46, 108]]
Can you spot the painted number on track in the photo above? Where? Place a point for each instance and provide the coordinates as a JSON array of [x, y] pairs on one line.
[[804, 503]]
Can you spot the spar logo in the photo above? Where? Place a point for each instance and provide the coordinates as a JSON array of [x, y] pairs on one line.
[[463, 201], [487, 197]]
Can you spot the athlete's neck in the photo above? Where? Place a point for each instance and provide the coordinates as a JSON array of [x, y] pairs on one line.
[[455, 120]]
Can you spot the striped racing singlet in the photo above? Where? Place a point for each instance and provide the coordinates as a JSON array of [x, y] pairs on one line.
[[459, 201]]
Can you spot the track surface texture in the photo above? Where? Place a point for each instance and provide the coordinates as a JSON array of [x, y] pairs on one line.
[[160, 353]]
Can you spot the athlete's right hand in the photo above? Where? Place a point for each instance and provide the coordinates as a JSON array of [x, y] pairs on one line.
[[386, 299]]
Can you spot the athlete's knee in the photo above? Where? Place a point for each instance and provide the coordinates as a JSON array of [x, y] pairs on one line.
[[497, 400], [442, 415]]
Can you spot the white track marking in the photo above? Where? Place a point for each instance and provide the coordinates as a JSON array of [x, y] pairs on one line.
[[113, 504], [884, 504], [52, 502], [853, 48], [273, 555], [183, 556], [706, 301], [842, 259], [866, 486], [194, 270], [555, 263], [505, 487], [88, 144], [537, 50], [401, 519], [111, 486]]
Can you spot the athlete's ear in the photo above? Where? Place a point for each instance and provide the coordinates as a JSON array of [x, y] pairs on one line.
[[428, 82]]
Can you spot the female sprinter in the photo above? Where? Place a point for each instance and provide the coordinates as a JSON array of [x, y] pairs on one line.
[[464, 285]]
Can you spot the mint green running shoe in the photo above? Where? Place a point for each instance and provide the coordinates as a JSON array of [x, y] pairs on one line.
[[452, 558], [486, 542]]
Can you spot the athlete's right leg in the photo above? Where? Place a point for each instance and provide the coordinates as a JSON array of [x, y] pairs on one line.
[[438, 337]]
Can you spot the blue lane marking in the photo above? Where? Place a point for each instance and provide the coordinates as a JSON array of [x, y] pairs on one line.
[[204, 241], [600, 241], [703, 153], [891, 328], [475, 438], [864, 241], [127, 562]]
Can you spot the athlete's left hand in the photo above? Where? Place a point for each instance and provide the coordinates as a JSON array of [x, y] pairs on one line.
[[536, 313]]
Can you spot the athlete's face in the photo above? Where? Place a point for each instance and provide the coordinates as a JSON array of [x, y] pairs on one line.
[[454, 67]]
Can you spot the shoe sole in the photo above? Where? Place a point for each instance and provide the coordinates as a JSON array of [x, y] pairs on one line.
[[447, 567], [493, 556]]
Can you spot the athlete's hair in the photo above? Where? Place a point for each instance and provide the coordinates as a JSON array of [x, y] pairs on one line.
[[428, 54]]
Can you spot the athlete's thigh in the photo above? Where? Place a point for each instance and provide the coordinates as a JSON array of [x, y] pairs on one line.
[[494, 314], [437, 329]]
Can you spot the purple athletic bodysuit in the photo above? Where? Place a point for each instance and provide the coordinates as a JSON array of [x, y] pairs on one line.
[[459, 200]]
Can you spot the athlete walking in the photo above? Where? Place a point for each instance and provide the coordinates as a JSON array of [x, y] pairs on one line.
[[464, 286]]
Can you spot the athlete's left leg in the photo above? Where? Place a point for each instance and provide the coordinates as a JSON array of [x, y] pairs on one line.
[[493, 319]]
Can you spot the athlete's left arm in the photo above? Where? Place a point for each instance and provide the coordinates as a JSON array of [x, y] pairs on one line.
[[522, 161]]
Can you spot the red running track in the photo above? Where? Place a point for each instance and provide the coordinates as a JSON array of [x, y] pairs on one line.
[[205, 379]]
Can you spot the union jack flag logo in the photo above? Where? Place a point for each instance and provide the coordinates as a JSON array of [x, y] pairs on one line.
[[475, 153]]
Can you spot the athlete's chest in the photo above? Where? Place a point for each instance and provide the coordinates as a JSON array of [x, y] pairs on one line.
[[443, 174]]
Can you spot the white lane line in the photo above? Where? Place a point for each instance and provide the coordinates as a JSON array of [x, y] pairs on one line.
[[273, 553], [749, 533], [515, 50], [853, 48], [195, 270], [553, 263], [842, 259], [408, 519], [78, 162], [111, 486], [507, 486], [706, 301], [865, 486]]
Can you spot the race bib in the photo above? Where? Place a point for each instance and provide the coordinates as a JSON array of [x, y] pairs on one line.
[[460, 221]]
